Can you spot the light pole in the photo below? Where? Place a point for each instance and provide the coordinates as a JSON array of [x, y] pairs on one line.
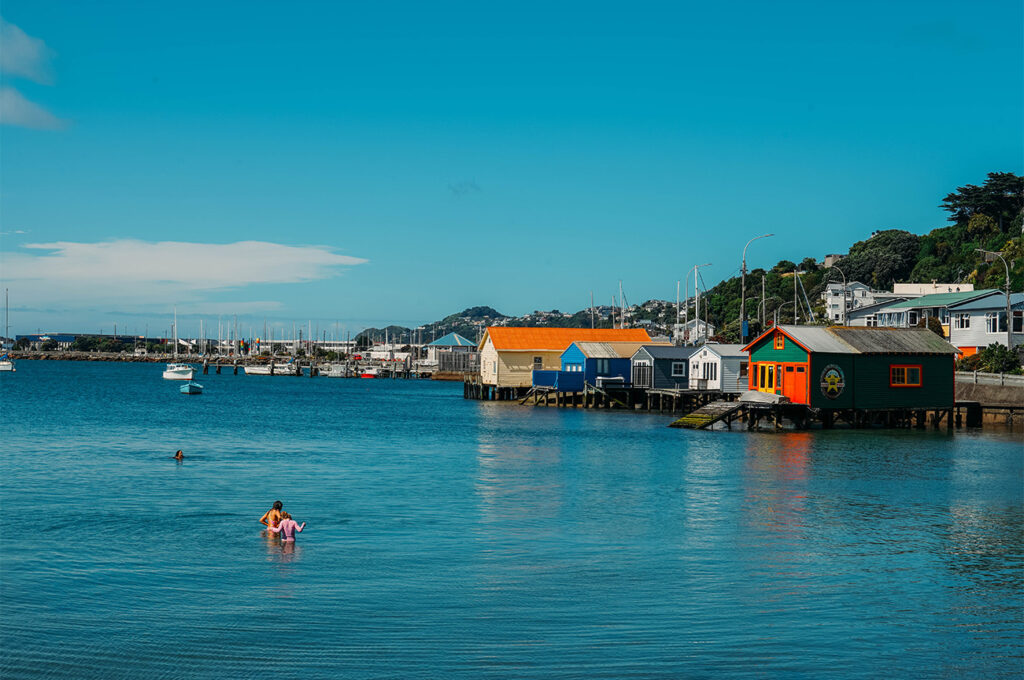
[[1009, 319], [843, 318], [743, 288], [776, 323], [696, 299]]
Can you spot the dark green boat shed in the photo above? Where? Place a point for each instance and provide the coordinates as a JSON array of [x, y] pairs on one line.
[[864, 368]]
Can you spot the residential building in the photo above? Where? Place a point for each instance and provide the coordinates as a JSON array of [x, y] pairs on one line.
[[908, 313], [978, 323]]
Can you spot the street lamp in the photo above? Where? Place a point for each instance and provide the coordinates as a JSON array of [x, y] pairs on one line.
[[743, 287], [776, 322], [696, 295], [1009, 320], [843, 318]]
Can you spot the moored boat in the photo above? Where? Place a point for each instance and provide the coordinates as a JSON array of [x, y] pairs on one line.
[[6, 364], [179, 372], [369, 372], [191, 388]]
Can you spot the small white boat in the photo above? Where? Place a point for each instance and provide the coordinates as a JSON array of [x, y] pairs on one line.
[[273, 369], [6, 364], [369, 372], [179, 372], [191, 388]]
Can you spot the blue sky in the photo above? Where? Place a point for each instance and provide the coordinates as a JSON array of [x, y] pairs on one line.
[[374, 163]]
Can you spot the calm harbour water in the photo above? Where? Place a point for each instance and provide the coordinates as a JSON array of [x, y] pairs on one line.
[[451, 538]]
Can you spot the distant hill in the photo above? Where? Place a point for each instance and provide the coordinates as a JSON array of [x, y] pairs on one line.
[[989, 216]]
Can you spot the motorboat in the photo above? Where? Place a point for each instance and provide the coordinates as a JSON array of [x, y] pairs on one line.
[[6, 364], [179, 372], [191, 388], [369, 372], [273, 369]]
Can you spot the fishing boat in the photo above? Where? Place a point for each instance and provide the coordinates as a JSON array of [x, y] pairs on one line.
[[369, 372], [191, 388], [6, 364]]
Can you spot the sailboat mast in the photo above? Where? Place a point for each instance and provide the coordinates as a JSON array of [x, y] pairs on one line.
[[175, 334]]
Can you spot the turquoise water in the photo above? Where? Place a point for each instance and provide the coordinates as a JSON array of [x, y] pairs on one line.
[[451, 538]]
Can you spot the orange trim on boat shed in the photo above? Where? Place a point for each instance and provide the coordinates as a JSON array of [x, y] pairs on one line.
[[512, 338]]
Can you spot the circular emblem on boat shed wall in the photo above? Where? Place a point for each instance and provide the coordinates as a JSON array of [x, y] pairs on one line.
[[832, 381]]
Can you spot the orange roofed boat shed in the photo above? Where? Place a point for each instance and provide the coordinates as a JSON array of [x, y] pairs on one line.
[[509, 355]]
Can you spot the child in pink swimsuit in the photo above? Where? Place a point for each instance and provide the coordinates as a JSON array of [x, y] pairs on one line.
[[288, 527]]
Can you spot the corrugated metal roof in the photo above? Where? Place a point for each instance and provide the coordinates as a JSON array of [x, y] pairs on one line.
[[451, 340], [668, 351], [893, 340], [994, 302], [818, 339], [558, 339], [723, 350], [609, 350], [941, 299]]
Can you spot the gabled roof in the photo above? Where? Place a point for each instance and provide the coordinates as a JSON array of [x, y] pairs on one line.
[[723, 350], [876, 340], [862, 340], [990, 302], [873, 307], [512, 338], [608, 350], [941, 299], [451, 340], [816, 339], [667, 351]]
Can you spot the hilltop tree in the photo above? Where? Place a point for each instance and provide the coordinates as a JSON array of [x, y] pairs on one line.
[[1001, 198]]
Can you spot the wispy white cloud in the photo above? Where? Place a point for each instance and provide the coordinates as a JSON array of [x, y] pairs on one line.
[[16, 110], [22, 56], [132, 272]]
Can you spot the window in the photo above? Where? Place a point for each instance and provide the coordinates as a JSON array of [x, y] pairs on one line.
[[1018, 321], [602, 367], [904, 376], [743, 369], [678, 368], [995, 322], [871, 320], [912, 318], [780, 341], [961, 321]]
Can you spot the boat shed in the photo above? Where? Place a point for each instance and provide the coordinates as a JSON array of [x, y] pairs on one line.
[[452, 342], [662, 367], [601, 363], [510, 354], [719, 368], [844, 367]]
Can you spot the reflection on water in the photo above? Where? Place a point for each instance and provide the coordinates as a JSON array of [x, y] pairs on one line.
[[467, 539]]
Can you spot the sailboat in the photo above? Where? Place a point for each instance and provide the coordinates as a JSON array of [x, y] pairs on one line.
[[177, 371], [6, 365]]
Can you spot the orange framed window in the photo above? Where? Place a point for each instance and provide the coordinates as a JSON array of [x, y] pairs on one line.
[[904, 376], [780, 341]]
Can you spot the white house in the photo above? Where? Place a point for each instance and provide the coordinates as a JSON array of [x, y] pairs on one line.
[[691, 332], [719, 367], [976, 324]]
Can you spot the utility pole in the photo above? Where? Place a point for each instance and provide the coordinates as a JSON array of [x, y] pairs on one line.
[[592, 309], [761, 317], [743, 289]]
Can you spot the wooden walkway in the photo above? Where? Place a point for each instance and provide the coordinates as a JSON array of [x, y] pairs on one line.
[[709, 414]]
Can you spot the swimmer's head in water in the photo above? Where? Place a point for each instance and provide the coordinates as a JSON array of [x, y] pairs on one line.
[[179, 454], [278, 505]]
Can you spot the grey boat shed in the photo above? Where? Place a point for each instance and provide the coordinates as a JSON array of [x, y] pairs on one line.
[[661, 367]]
